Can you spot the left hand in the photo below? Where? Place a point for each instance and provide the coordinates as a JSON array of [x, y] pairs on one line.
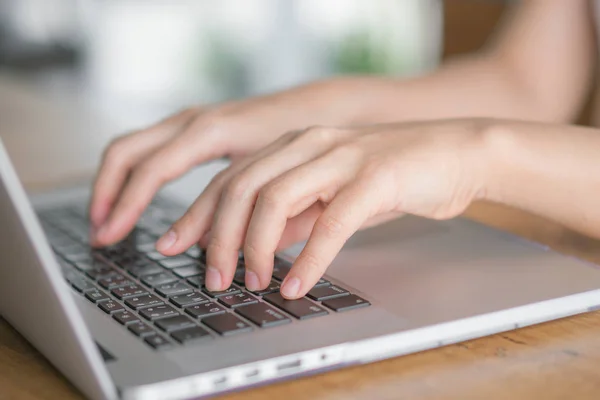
[[324, 184]]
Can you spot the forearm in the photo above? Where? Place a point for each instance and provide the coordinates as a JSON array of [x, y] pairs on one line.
[[549, 170], [537, 67]]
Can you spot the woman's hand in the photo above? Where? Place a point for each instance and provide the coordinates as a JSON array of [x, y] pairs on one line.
[[324, 184], [135, 166]]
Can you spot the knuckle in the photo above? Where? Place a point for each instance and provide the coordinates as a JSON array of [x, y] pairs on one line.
[[311, 262], [271, 195], [330, 226], [240, 187], [321, 134], [349, 151], [116, 150]]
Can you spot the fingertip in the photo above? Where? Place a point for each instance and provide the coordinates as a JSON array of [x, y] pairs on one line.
[[290, 289], [214, 281]]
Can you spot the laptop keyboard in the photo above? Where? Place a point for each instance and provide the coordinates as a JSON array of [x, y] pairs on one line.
[[162, 300]]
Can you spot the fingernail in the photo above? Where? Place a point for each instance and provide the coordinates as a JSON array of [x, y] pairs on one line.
[[213, 279], [101, 232], [166, 241], [252, 282], [291, 288]]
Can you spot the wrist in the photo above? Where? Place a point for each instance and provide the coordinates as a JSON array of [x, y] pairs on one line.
[[500, 147]]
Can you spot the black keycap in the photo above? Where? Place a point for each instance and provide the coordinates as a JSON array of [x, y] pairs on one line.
[[140, 329], [158, 342], [226, 324], [93, 264], [173, 289], [301, 308], [177, 261], [155, 255], [175, 323], [237, 300], [142, 301], [114, 281], [146, 247], [190, 270], [101, 272], [273, 287], [80, 283], [190, 335], [196, 281], [158, 279], [281, 269], [96, 296], [230, 290], [346, 303], [188, 299], [326, 292], [204, 310], [128, 291], [125, 317], [110, 306], [152, 313], [240, 276], [322, 282], [143, 269], [263, 315]]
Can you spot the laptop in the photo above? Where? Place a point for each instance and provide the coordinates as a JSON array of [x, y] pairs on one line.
[[125, 322]]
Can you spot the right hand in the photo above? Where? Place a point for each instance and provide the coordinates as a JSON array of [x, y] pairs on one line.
[[136, 165]]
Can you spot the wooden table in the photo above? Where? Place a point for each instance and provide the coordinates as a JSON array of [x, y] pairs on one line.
[[556, 360]]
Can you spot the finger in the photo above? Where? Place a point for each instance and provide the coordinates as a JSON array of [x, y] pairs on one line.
[[298, 228], [286, 197], [197, 220], [340, 220], [236, 206], [122, 155], [182, 153]]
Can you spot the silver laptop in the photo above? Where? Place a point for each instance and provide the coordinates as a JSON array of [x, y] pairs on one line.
[[126, 322]]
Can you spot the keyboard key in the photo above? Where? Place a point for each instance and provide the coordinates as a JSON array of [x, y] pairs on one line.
[[110, 306], [158, 342], [273, 287], [194, 252], [188, 299], [322, 282], [326, 292], [281, 269], [155, 255], [142, 301], [301, 308], [177, 261], [226, 324], [190, 270], [240, 276], [114, 281], [196, 281], [346, 303], [263, 315], [146, 247], [143, 269], [101, 272], [140, 329], [204, 310], [230, 290], [158, 279], [190, 335], [237, 300], [152, 313], [128, 291], [96, 296], [125, 317], [175, 323], [79, 283], [173, 289]]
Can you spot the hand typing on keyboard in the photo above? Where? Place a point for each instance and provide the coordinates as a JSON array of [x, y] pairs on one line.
[[321, 183]]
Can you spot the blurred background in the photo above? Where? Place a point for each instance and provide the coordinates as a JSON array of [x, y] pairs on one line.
[[89, 70]]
